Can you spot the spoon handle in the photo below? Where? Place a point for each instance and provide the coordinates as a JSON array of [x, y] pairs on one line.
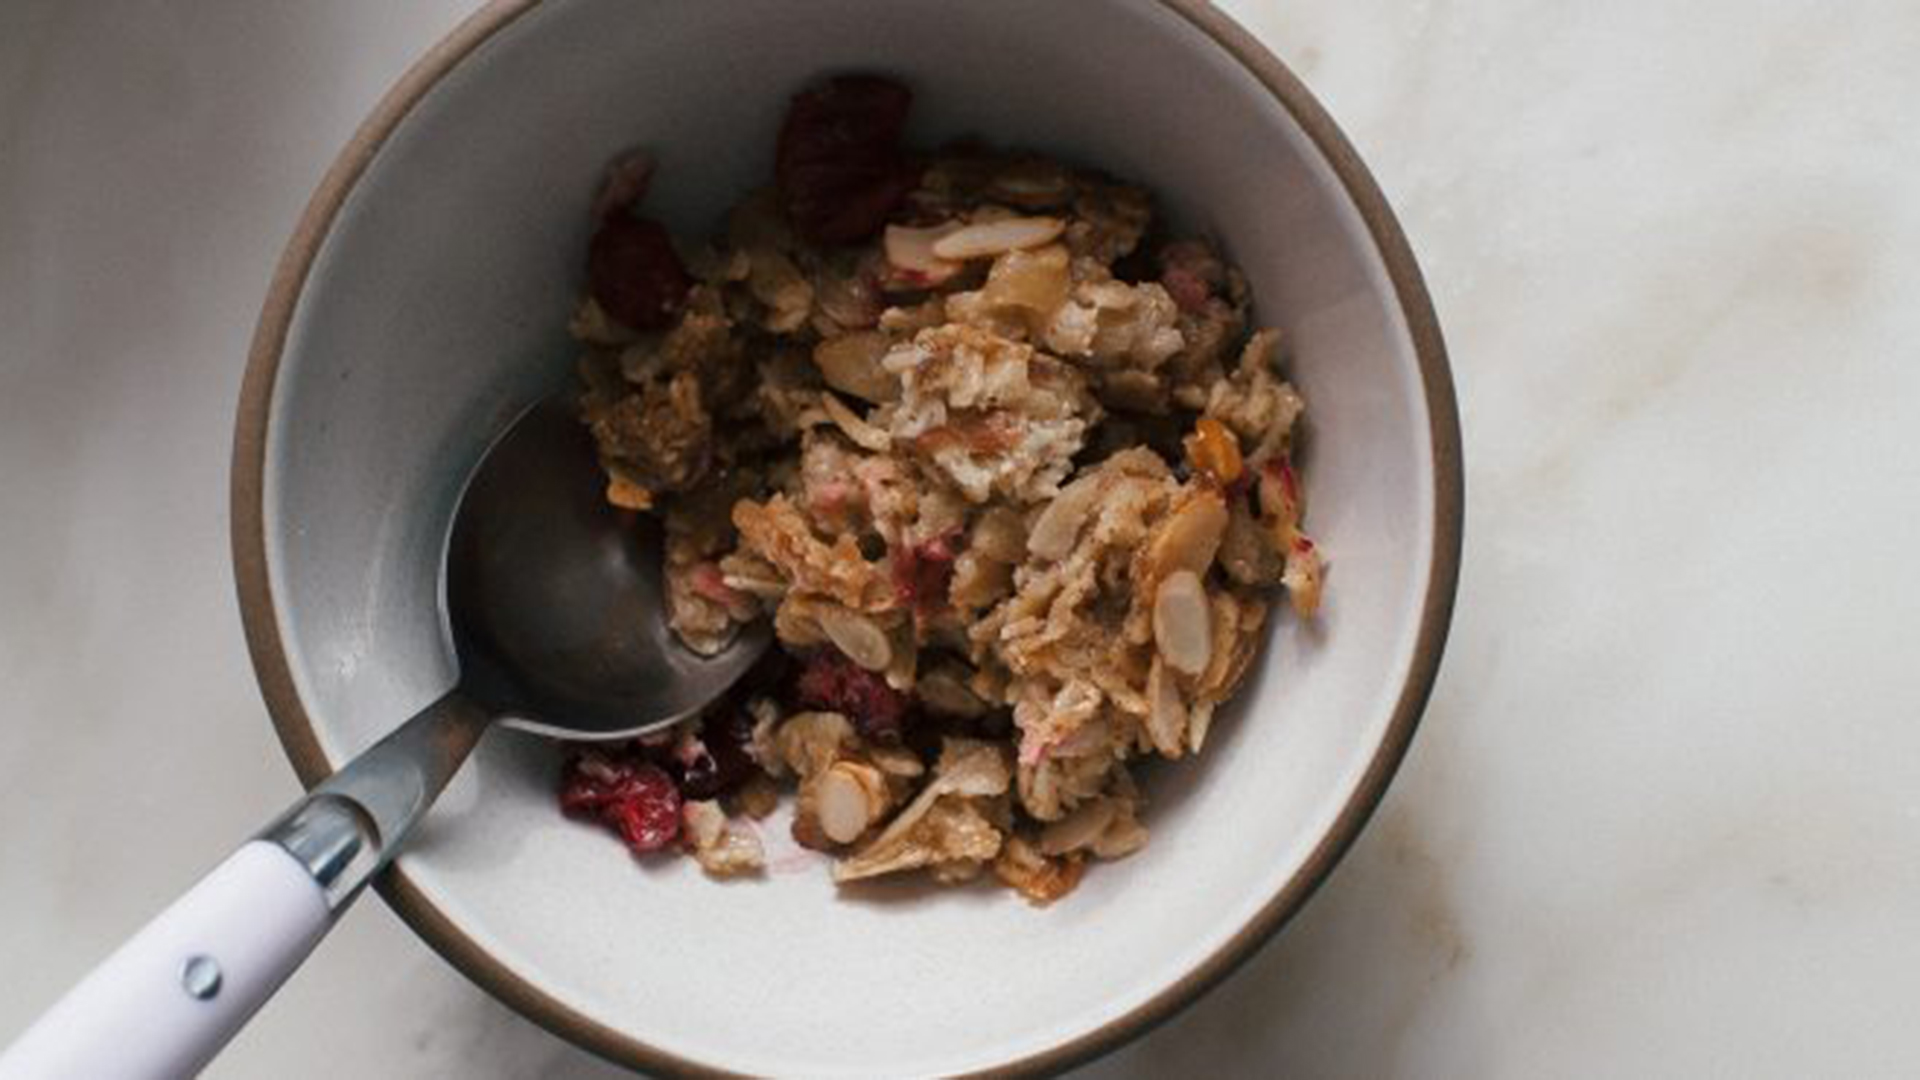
[[166, 1001]]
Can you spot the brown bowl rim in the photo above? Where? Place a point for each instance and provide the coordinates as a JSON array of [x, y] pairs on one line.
[[295, 728]]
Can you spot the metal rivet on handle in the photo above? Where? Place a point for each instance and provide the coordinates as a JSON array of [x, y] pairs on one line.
[[201, 977]]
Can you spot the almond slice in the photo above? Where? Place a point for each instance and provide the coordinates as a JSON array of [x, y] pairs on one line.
[[847, 799], [1190, 537], [1032, 184], [1058, 526], [1078, 829], [998, 237], [859, 637], [1182, 623], [851, 364], [1167, 711], [913, 256], [854, 426]]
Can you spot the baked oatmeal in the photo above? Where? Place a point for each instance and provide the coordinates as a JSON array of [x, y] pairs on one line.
[[1007, 469]]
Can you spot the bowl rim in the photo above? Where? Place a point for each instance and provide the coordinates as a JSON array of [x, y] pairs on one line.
[[295, 728]]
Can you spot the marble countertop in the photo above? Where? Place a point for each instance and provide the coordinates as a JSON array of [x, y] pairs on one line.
[[1664, 814]]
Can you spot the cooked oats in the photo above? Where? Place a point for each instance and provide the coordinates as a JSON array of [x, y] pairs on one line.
[[1013, 482]]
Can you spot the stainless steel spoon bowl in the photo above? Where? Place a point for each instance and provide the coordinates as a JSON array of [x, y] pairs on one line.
[[556, 609]]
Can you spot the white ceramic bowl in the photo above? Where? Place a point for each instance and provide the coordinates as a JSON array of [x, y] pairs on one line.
[[423, 299]]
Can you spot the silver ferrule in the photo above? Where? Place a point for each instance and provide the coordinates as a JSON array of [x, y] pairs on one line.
[[352, 824], [337, 844]]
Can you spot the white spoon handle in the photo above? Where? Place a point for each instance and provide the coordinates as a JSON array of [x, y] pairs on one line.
[[166, 1001]]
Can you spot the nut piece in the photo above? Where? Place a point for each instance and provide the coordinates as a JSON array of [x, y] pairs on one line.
[[810, 742], [1167, 711], [858, 636], [1040, 879], [997, 237], [776, 282], [1214, 451], [944, 691], [1058, 526], [1033, 184], [914, 258], [1190, 537], [1304, 574], [720, 849], [1077, 830], [850, 363], [847, 799], [1182, 624], [854, 426]]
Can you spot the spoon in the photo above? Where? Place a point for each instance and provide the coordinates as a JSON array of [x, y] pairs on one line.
[[554, 606]]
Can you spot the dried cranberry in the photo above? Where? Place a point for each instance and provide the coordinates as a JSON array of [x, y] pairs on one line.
[[1188, 290], [831, 681], [1192, 274], [922, 574], [636, 798], [723, 763], [838, 163], [634, 273]]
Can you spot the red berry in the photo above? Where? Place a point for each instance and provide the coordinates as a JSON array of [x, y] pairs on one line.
[[1192, 274], [922, 574], [832, 682], [637, 799], [838, 163], [634, 273]]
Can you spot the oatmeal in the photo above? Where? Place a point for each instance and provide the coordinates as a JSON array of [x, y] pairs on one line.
[[1011, 475]]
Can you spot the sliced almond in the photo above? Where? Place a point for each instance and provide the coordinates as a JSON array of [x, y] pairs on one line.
[[1190, 537], [854, 426], [1058, 526], [912, 257], [851, 364], [1078, 829], [776, 282], [809, 742], [998, 237], [1199, 725], [1182, 623], [1033, 184], [897, 761], [1166, 710], [945, 691], [847, 799], [1123, 836], [858, 636]]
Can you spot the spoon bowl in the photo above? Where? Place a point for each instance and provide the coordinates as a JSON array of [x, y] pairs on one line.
[[555, 597]]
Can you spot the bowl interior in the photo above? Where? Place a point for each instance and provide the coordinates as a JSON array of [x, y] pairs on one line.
[[437, 306]]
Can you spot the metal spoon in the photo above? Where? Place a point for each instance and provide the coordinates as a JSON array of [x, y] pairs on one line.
[[554, 604]]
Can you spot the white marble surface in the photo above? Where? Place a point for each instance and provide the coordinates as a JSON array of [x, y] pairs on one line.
[[1664, 816]]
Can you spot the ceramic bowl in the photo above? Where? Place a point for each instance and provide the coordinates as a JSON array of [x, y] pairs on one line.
[[423, 300]]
